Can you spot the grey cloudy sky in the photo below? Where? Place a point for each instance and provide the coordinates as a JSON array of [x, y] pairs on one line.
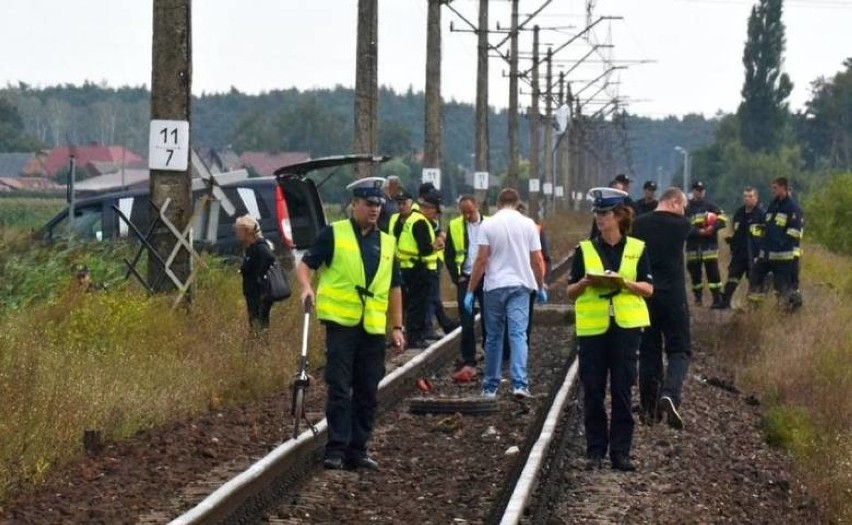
[[258, 45]]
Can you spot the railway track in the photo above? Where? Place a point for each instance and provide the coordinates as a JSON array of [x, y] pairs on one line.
[[246, 497]]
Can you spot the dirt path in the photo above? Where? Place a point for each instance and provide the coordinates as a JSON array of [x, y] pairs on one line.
[[717, 470]]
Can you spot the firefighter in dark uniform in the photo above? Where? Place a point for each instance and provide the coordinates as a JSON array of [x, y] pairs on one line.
[[744, 243], [359, 292], [648, 202], [782, 231], [417, 253], [610, 315], [702, 246]]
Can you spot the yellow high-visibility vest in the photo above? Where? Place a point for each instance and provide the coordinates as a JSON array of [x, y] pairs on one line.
[[343, 296], [407, 251], [593, 312]]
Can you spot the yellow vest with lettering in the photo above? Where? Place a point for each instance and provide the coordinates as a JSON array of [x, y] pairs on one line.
[[592, 312], [343, 296]]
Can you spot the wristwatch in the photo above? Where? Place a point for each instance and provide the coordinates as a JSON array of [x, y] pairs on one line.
[[401, 329]]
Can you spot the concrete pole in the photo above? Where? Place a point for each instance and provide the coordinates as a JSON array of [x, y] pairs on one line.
[[171, 85]]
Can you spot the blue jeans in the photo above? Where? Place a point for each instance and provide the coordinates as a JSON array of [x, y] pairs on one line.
[[506, 308]]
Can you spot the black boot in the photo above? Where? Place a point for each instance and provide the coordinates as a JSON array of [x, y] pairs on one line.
[[698, 299], [718, 300]]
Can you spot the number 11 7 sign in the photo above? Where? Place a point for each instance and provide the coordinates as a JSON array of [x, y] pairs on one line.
[[168, 145]]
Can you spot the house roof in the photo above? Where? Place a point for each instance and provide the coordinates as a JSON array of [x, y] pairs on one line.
[[112, 181], [13, 164], [27, 183], [59, 157], [265, 164]]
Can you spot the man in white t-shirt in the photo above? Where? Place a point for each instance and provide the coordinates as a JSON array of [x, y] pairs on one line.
[[510, 259]]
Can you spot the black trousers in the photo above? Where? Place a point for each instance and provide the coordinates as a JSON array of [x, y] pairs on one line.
[[612, 356], [435, 308], [258, 311], [711, 266], [669, 330], [507, 353], [416, 288], [783, 276], [738, 268], [355, 363], [468, 335]]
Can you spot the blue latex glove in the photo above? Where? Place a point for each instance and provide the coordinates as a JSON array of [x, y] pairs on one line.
[[541, 296], [468, 302]]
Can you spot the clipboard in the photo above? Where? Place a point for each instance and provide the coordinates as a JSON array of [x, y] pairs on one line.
[[606, 279]]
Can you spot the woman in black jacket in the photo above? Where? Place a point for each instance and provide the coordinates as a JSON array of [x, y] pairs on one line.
[[257, 259]]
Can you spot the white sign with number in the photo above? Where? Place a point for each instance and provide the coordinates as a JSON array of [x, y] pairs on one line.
[[548, 188], [534, 186], [560, 191], [168, 145], [480, 180], [432, 175]]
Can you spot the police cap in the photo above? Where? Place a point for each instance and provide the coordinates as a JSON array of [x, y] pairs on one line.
[[604, 199], [368, 188]]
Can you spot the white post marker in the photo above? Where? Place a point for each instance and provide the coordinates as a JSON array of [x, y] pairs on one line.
[[560, 191], [534, 186], [548, 188], [168, 145], [480, 180], [432, 175]]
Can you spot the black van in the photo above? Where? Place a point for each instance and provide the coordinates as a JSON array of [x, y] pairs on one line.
[[288, 207]]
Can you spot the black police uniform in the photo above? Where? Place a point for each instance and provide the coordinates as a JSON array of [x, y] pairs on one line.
[[664, 234], [704, 251], [744, 247], [355, 359], [612, 354]]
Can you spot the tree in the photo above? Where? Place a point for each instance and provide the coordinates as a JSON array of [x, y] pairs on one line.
[[826, 127], [763, 111], [12, 135]]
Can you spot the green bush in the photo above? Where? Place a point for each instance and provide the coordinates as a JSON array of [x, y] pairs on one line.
[[787, 427], [828, 212]]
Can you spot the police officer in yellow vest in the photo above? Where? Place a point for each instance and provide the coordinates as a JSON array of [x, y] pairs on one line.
[[417, 252], [358, 300], [609, 280]]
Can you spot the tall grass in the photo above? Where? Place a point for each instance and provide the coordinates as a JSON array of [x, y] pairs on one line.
[[801, 367], [120, 361], [28, 212]]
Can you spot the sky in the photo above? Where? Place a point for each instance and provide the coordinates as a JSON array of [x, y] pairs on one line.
[[259, 45]]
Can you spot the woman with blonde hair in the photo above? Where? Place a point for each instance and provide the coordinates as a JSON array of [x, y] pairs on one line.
[[257, 259]]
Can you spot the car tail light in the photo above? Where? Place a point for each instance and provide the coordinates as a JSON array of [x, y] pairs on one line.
[[283, 216]]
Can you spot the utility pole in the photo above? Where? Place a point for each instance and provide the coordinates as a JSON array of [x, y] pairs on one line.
[[367, 84], [548, 123], [565, 149], [433, 117], [482, 102], [171, 83], [535, 131], [514, 148]]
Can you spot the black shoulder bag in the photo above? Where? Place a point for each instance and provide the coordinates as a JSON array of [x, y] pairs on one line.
[[275, 285]]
